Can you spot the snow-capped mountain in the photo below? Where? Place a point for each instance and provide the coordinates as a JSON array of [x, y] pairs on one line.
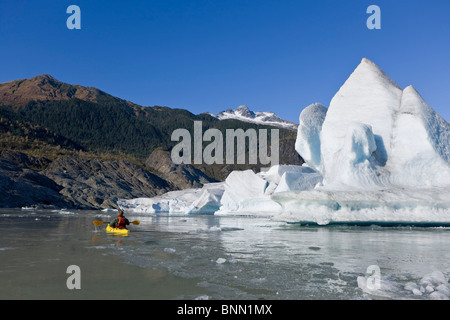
[[243, 113]]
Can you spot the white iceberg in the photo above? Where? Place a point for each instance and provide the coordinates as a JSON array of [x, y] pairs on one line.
[[205, 200], [247, 192], [384, 157], [302, 179], [368, 97], [378, 154], [243, 192], [377, 135]]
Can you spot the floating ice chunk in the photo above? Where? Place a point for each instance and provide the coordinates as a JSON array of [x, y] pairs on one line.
[[410, 286], [433, 285], [66, 212], [444, 289], [434, 279], [416, 292], [438, 296], [221, 260], [429, 289], [258, 280], [203, 200], [171, 202], [210, 229], [385, 288]]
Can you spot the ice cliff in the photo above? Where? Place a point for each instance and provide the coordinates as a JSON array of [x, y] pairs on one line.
[[377, 154]]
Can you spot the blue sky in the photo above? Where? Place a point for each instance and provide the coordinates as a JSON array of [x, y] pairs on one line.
[[212, 55]]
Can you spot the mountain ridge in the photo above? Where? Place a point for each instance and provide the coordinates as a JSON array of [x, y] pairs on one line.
[[44, 88], [243, 113]]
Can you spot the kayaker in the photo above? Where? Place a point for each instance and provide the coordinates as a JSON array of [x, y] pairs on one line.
[[120, 222]]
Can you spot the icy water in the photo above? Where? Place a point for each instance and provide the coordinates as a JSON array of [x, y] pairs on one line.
[[213, 257]]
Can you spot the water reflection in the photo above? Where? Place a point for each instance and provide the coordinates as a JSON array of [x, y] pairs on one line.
[[217, 257]]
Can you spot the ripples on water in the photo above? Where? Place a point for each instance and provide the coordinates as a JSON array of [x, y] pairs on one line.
[[211, 257]]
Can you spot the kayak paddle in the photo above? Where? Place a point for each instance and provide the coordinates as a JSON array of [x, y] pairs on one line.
[[99, 223]]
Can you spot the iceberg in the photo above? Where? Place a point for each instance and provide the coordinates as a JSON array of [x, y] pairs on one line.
[[302, 179], [246, 192], [368, 97], [205, 200], [243, 192], [384, 157], [377, 154], [376, 135]]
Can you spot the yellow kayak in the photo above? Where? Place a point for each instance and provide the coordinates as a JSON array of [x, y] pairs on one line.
[[117, 230]]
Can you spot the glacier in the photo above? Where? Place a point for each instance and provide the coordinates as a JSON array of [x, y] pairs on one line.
[[377, 154]]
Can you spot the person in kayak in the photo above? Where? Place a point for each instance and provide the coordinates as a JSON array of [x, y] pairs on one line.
[[120, 222]]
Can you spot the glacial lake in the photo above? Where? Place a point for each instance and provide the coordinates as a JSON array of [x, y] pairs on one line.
[[217, 257]]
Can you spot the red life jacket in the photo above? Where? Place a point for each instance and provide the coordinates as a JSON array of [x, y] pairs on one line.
[[122, 224]]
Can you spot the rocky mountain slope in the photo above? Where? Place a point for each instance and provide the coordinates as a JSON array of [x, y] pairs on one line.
[[46, 88], [72, 182]]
